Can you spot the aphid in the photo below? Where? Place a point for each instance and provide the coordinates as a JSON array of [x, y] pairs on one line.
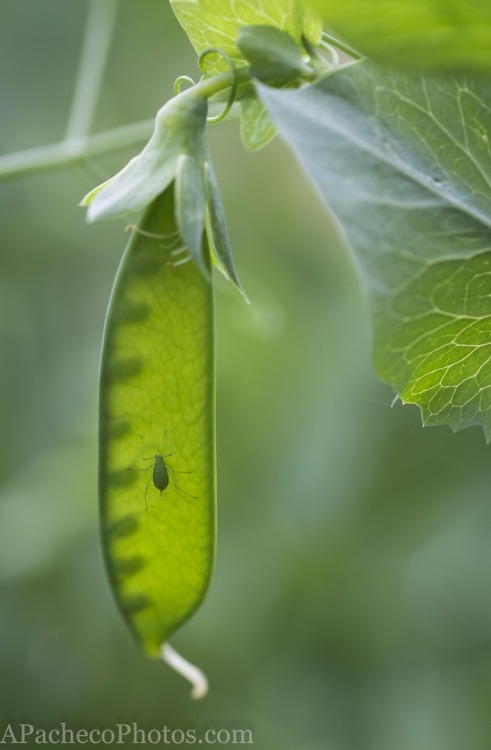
[[161, 472]]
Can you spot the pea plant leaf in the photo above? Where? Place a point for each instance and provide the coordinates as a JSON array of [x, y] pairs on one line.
[[404, 161], [445, 35], [216, 23], [256, 126], [157, 443]]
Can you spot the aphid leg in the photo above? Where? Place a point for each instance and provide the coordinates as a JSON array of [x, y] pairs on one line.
[[146, 490], [130, 468], [151, 458], [172, 472], [193, 497]]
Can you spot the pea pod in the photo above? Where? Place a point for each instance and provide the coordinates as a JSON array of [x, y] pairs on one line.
[[157, 402]]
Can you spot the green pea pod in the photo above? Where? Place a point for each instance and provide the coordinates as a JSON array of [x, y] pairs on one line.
[[157, 436]]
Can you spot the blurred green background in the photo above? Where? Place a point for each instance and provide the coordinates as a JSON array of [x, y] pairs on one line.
[[351, 603]]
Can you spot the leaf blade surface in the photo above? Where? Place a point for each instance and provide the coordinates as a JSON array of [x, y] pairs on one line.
[[404, 162]]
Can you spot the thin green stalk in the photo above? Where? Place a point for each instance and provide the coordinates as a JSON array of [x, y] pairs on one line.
[[341, 46], [66, 153], [208, 87], [76, 150], [95, 50]]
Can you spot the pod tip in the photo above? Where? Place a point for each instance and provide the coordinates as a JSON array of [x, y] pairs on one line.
[[189, 671]]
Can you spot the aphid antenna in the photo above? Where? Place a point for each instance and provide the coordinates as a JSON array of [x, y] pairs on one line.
[[152, 458]]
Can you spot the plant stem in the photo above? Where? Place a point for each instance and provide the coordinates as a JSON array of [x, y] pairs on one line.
[[208, 87], [341, 46], [66, 153], [76, 150], [95, 50]]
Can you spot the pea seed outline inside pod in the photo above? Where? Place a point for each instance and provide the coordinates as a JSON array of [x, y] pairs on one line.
[[157, 405]]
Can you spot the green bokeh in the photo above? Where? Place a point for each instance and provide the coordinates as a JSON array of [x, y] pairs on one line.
[[350, 605]]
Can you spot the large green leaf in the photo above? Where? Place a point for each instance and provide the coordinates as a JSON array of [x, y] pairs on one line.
[[157, 400], [443, 35], [405, 163], [216, 23]]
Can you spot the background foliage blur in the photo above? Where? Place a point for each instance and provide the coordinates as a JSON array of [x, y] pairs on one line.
[[351, 603]]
